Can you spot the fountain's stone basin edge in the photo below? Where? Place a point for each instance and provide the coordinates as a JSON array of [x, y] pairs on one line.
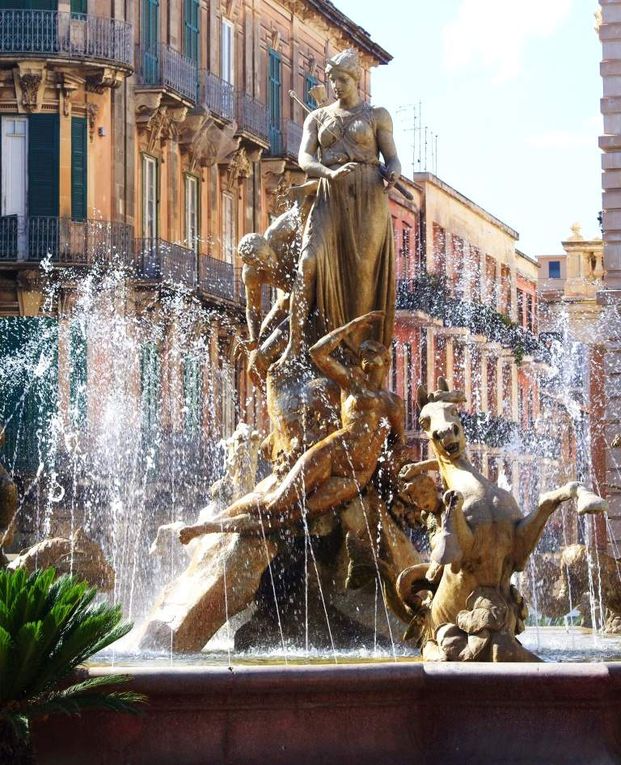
[[359, 713]]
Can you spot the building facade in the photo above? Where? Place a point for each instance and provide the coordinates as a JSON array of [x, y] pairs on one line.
[[143, 138]]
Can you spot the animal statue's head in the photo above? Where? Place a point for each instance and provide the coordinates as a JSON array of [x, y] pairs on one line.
[[439, 418]]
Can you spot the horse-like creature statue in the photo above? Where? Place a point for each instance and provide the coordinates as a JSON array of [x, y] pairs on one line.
[[472, 611]]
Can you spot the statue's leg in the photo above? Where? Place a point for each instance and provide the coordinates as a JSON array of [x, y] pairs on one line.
[[331, 493], [529, 529]]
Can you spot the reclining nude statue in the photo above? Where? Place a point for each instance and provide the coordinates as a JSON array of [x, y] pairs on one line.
[[472, 611], [337, 468]]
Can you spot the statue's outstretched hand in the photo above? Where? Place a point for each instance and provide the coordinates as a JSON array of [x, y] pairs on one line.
[[343, 170]]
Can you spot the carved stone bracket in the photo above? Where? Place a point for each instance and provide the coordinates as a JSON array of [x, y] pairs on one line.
[[205, 143], [105, 78], [29, 78], [68, 85], [156, 123]]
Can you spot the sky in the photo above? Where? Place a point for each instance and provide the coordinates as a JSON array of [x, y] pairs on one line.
[[512, 90]]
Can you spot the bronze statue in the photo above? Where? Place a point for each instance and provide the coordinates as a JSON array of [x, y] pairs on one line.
[[336, 469], [473, 612], [346, 267]]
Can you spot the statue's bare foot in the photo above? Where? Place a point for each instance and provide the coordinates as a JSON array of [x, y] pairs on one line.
[[188, 533]]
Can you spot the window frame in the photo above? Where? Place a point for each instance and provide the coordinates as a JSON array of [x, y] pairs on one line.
[[192, 240], [147, 161]]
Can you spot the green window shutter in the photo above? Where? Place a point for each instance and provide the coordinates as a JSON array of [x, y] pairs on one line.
[[310, 82], [78, 374], [28, 390], [79, 6], [192, 395], [274, 97], [191, 27], [150, 33], [150, 386], [43, 164], [78, 168]]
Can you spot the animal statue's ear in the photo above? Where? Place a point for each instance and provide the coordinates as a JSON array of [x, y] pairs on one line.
[[442, 384], [422, 396]]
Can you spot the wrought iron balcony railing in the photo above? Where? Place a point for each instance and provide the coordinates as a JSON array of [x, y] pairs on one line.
[[252, 117], [71, 242], [164, 67], [218, 96], [220, 279], [159, 259], [65, 35]]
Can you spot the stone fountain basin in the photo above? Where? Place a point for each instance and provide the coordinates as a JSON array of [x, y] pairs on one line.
[[384, 713]]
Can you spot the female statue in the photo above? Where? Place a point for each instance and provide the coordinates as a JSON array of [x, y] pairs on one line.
[[346, 268]]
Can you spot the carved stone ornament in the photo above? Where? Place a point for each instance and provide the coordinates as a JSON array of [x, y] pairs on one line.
[[204, 143], [156, 123], [105, 78], [237, 168], [29, 78], [68, 85], [92, 110], [275, 40]]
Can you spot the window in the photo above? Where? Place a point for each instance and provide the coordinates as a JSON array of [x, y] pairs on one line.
[[78, 374], [150, 32], [191, 212], [227, 53], [309, 83], [149, 197], [78, 168], [150, 387], [405, 241], [228, 228], [192, 395], [274, 100], [191, 28], [554, 269]]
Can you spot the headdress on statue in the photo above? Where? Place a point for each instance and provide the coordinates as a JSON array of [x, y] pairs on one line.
[[346, 61]]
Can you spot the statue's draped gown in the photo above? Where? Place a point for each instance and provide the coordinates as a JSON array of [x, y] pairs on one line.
[[349, 230]]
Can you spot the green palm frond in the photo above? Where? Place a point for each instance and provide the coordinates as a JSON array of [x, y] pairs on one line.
[[48, 627]]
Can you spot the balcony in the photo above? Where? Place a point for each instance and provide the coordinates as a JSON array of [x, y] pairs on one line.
[[252, 118], [294, 139], [26, 240], [219, 279], [163, 67], [159, 259], [54, 34], [218, 96]]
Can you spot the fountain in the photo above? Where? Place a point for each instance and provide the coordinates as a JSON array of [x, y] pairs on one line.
[[278, 568]]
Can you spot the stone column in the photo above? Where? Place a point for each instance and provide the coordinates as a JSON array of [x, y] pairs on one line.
[[610, 143]]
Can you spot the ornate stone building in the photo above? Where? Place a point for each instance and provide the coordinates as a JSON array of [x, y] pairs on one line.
[[609, 26], [467, 309], [151, 135], [572, 325]]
